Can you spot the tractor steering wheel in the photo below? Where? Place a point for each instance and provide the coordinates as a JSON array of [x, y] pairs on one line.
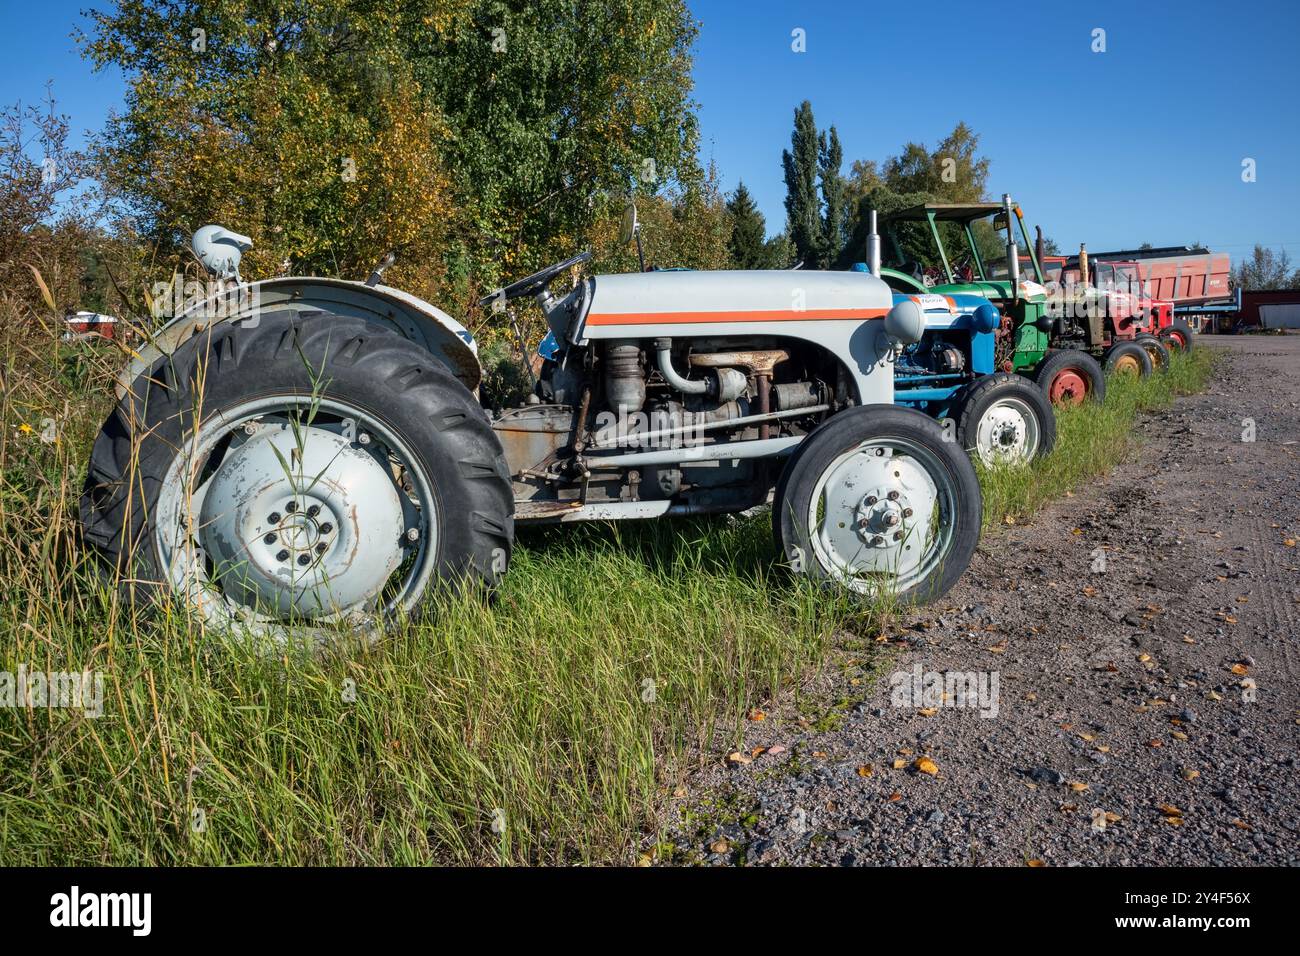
[[535, 283]]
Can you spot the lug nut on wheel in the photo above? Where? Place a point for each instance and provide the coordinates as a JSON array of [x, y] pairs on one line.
[[304, 559], [282, 556], [413, 534]]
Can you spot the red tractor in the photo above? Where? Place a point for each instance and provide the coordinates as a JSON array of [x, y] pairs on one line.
[[1109, 316]]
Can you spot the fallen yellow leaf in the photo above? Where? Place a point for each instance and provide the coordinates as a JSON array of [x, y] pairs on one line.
[[928, 711], [926, 765], [1078, 787], [1035, 863], [864, 770]]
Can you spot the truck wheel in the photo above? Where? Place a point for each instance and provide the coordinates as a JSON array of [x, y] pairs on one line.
[[1177, 336], [308, 472], [877, 500], [1128, 358], [1071, 377], [1006, 420], [1156, 350]]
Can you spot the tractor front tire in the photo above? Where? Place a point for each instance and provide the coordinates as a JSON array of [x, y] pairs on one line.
[[1157, 350], [1071, 377], [1177, 336], [1006, 419], [1128, 358], [298, 475], [881, 502]]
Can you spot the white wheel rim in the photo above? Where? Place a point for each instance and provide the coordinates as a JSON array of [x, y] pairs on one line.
[[369, 541], [1007, 433], [881, 516]]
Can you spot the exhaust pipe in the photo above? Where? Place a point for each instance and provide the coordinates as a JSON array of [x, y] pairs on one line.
[[873, 247], [1013, 253]]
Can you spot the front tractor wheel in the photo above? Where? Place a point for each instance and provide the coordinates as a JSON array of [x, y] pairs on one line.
[[1128, 358], [1071, 377], [1006, 420], [305, 474], [1177, 336], [879, 501], [1157, 350]]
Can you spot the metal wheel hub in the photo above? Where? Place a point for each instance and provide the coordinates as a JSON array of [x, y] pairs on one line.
[[307, 523], [883, 515], [1127, 365], [876, 509], [1068, 388], [1007, 433]]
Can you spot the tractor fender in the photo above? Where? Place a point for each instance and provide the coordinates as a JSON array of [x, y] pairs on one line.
[[424, 324]]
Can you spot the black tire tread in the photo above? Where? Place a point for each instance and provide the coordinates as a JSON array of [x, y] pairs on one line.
[[121, 488], [983, 392]]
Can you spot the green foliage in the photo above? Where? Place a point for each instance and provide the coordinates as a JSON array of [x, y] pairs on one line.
[[748, 231], [816, 194], [1266, 269], [952, 172], [802, 209], [830, 157], [472, 137]]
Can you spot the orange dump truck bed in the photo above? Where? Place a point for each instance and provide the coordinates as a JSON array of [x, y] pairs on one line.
[[1182, 275]]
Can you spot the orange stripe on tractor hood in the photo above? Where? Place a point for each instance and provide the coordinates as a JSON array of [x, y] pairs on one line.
[[761, 315], [702, 297]]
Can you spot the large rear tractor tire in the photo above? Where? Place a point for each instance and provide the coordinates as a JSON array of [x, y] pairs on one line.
[[1128, 358], [292, 477], [878, 501], [1177, 336], [1006, 420], [1071, 377]]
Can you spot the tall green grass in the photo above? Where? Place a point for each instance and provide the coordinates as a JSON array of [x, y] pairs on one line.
[[1091, 439], [547, 728]]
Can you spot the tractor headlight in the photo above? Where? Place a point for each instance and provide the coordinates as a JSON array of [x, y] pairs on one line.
[[905, 322], [986, 318]]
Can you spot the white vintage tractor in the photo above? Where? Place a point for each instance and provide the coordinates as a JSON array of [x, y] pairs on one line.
[[301, 454]]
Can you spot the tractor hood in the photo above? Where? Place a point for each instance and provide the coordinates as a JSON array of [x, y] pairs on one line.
[[998, 290], [659, 303]]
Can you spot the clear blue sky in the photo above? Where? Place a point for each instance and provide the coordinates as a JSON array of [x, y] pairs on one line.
[[1142, 143]]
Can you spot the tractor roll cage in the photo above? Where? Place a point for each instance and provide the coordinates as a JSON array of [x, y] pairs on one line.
[[964, 214]]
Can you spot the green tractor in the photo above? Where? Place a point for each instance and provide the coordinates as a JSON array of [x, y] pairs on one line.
[[1068, 376]]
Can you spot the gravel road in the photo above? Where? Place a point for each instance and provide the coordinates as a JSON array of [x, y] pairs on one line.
[[1145, 637]]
